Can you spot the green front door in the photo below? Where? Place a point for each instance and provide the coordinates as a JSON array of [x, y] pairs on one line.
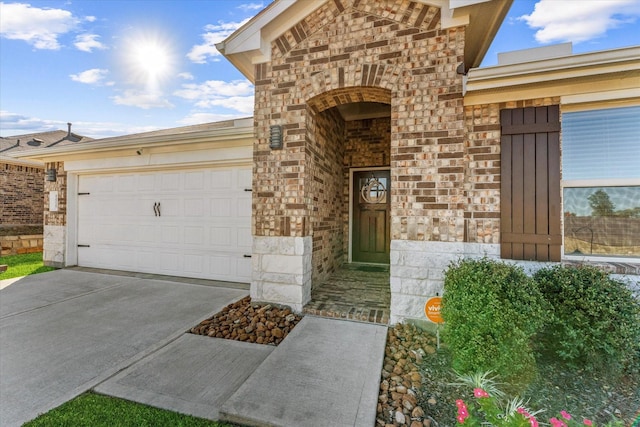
[[371, 217]]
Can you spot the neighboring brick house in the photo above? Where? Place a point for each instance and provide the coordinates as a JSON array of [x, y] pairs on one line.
[[22, 189], [377, 139]]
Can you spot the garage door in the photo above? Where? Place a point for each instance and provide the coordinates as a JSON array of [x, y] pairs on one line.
[[189, 223]]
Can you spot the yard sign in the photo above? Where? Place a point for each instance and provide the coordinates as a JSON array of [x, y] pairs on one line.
[[432, 309]]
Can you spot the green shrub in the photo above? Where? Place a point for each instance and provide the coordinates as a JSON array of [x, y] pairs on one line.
[[595, 322], [491, 311]]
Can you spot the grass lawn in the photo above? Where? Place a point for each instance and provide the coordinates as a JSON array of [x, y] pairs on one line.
[[23, 265], [91, 409]]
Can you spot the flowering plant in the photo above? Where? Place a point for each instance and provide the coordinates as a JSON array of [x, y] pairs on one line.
[[487, 410]]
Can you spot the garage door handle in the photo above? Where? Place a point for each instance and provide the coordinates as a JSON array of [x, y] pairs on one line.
[[156, 209], [159, 214]]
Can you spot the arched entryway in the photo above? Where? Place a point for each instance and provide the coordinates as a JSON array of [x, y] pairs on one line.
[[349, 135]]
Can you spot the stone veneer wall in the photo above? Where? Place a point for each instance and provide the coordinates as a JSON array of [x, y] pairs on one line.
[[482, 168], [387, 51], [417, 272], [21, 244], [55, 222], [282, 270], [21, 190]]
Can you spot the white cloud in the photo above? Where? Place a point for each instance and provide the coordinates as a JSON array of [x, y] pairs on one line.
[[16, 124], [40, 27], [88, 42], [578, 21], [90, 77], [236, 95], [144, 100], [246, 7], [242, 104], [214, 34], [186, 76], [90, 18]]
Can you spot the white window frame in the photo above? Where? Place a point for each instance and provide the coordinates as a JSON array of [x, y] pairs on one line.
[[575, 183]]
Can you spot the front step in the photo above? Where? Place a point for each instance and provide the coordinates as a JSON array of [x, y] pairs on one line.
[[337, 311]]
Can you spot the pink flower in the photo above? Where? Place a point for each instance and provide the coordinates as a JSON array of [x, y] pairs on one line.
[[523, 412], [478, 392], [533, 422], [459, 403], [463, 412], [565, 415], [461, 419], [557, 423], [588, 422]]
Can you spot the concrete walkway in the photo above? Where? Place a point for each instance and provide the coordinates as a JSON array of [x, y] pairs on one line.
[[66, 332], [325, 373]]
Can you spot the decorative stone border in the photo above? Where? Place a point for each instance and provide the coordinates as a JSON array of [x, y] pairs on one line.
[[22, 244]]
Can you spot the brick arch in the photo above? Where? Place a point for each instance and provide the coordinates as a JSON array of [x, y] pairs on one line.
[[375, 83], [349, 95]]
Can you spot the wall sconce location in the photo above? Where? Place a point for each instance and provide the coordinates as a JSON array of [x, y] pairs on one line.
[[51, 175], [275, 137]]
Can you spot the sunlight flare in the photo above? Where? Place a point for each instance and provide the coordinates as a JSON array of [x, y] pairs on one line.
[[149, 59]]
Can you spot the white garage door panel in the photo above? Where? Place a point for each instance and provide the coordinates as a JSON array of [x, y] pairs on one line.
[[203, 230]]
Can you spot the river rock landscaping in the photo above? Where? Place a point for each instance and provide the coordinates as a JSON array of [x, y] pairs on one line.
[[254, 323], [402, 400], [418, 387]]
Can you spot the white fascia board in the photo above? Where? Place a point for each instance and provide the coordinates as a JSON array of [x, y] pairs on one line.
[[254, 38], [216, 156], [219, 136], [455, 4], [588, 64], [612, 95], [451, 13], [246, 39]]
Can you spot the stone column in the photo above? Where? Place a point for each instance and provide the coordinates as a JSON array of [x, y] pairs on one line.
[[282, 270], [55, 221]]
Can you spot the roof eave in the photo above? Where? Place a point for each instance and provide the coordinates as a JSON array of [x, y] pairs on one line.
[[592, 63], [12, 160], [232, 135], [251, 44], [485, 22]]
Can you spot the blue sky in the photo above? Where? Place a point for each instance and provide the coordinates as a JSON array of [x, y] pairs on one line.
[[126, 66]]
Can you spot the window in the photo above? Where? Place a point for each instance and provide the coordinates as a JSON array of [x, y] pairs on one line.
[[601, 182]]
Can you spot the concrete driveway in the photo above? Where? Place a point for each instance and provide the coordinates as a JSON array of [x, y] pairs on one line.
[[63, 332]]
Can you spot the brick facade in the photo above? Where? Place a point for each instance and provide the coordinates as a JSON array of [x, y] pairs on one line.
[[391, 52], [482, 168], [60, 185], [21, 190], [326, 148]]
